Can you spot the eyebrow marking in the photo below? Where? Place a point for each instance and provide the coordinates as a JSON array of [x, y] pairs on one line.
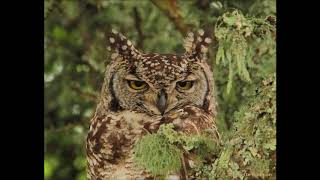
[[191, 77], [132, 77]]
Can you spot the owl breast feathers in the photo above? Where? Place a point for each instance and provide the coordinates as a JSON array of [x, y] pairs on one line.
[[143, 91]]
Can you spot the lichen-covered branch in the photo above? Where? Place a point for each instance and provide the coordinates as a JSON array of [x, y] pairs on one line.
[[250, 150]]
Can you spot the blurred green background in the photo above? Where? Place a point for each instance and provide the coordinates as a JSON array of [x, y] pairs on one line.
[[75, 59]]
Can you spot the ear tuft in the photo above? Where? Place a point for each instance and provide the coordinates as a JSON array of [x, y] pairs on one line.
[[196, 44], [120, 45]]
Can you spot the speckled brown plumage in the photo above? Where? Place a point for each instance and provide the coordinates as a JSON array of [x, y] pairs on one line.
[[124, 115]]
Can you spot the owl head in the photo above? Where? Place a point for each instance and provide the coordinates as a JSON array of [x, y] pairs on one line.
[[155, 83]]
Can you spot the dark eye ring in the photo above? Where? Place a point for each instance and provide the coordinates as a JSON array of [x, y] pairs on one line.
[[184, 85], [137, 85]]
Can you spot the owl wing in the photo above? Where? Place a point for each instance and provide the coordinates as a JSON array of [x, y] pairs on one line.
[[103, 147], [110, 150]]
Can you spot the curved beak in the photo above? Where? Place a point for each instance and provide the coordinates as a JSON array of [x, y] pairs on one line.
[[162, 101]]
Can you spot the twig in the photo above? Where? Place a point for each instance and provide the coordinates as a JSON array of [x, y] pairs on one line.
[[184, 168]]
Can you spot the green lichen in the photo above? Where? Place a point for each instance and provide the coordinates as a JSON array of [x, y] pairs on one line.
[[249, 151], [157, 155], [235, 34], [161, 153], [201, 145]]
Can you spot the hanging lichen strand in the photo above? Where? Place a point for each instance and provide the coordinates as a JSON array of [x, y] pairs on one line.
[[155, 154], [236, 35]]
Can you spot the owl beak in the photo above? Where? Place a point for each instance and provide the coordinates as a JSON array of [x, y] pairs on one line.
[[162, 101]]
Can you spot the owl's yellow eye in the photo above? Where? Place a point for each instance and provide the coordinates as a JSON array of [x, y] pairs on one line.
[[184, 85], [137, 85]]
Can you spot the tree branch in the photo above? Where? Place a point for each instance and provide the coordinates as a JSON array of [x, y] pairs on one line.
[[141, 35], [169, 7]]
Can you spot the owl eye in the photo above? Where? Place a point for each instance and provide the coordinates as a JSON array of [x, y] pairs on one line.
[[137, 85], [184, 85]]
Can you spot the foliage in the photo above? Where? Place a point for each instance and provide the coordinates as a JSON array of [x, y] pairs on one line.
[[75, 58]]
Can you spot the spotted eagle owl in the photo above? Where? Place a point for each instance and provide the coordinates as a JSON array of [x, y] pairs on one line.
[[140, 92]]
